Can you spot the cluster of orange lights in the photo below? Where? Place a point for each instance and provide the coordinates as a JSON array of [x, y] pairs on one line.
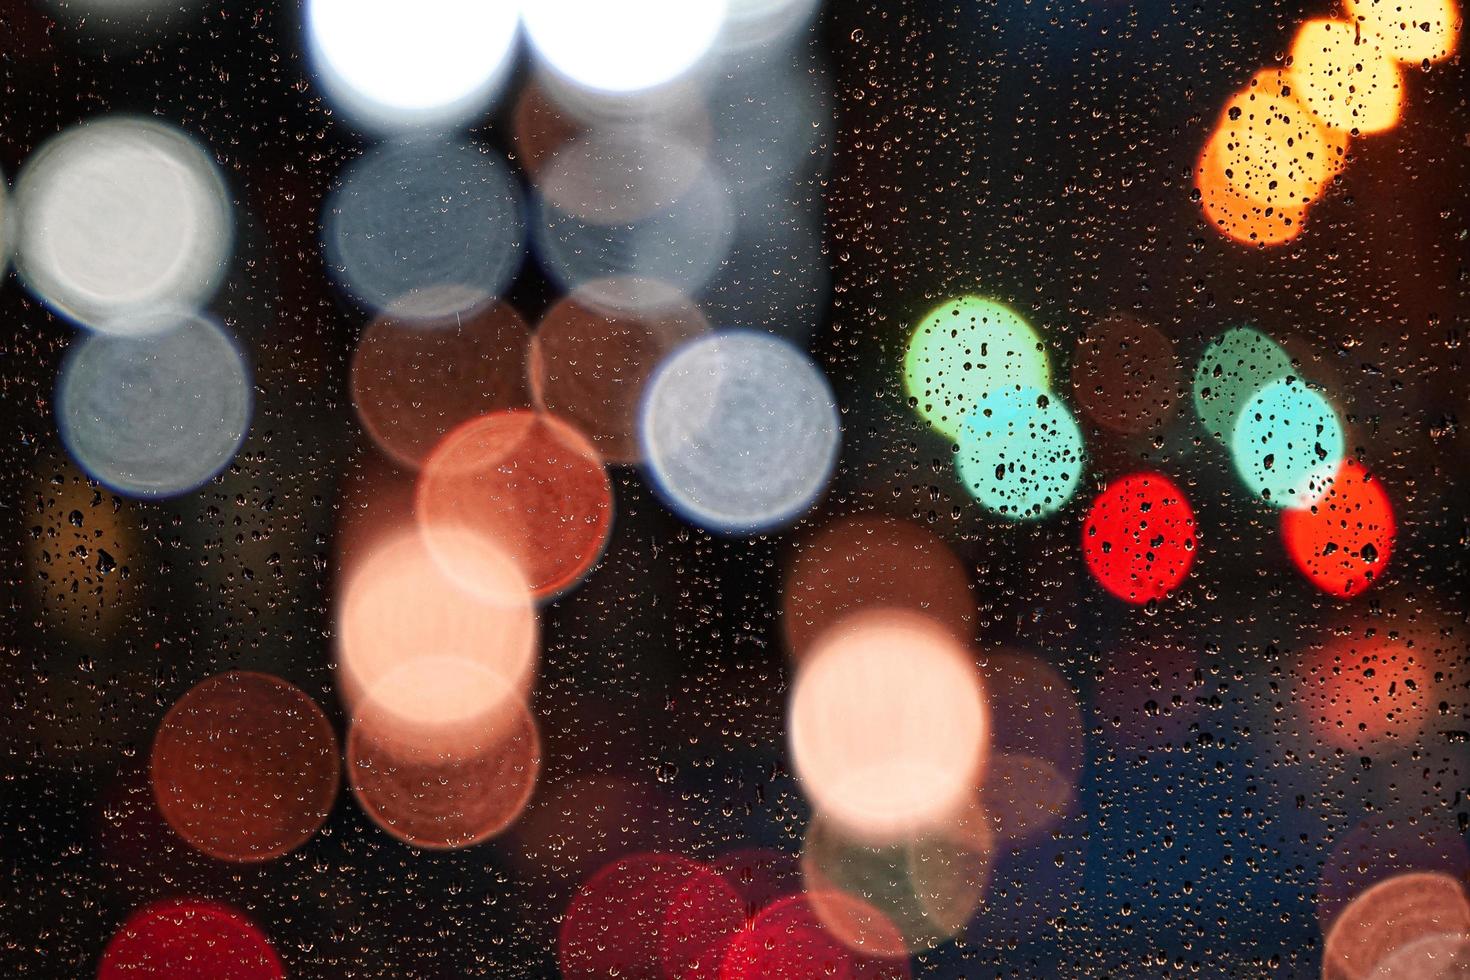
[[1283, 137]]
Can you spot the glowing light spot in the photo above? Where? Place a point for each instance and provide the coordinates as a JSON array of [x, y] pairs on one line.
[[1036, 746], [1390, 916], [399, 606], [1236, 365], [396, 66], [1410, 30], [1237, 216], [1445, 956], [591, 367], [789, 939], [1125, 375], [1271, 147], [121, 219], [154, 415], [623, 207], [1287, 443], [760, 24], [189, 939], [1369, 696], [888, 729], [740, 431], [1342, 542], [1346, 76], [245, 767], [1139, 537], [528, 483], [873, 562], [425, 228], [1020, 453], [414, 381], [443, 784], [648, 915], [923, 892], [625, 47], [965, 348]]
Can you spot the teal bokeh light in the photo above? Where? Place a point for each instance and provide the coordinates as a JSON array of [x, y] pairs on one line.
[[1020, 452], [1287, 444], [1234, 367]]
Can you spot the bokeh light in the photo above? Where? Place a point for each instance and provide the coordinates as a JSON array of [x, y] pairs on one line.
[[895, 899], [628, 206], [873, 562], [1346, 76], [1370, 694], [1237, 215], [1036, 747], [1020, 452], [154, 415], [1235, 365], [1271, 146], [443, 783], [1442, 956], [189, 939], [425, 228], [1126, 375], [122, 218], [965, 348], [740, 431], [414, 380], [437, 63], [649, 915], [625, 47], [888, 726], [1139, 538], [1342, 542], [529, 484], [1410, 30], [245, 767], [789, 939], [398, 607], [590, 367], [1390, 916], [1287, 444]]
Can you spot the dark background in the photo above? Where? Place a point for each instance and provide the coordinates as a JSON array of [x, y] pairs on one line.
[[1036, 152]]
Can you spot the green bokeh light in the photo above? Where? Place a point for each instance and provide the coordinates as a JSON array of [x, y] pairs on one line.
[[1236, 365], [965, 348]]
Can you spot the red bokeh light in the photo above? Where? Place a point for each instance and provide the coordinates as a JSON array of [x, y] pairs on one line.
[[189, 939], [1139, 537], [633, 913], [789, 939], [1342, 543]]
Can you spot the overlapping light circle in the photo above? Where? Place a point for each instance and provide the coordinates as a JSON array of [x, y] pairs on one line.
[[122, 218], [740, 431]]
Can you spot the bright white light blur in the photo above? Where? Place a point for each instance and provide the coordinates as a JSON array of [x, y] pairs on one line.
[[426, 228], [740, 431], [757, 25], [888, 727], [157, 414], [623, 47], [122, 218], [396, 65]]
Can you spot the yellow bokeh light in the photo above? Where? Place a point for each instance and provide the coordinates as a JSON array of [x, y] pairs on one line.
[[1411, 30], [1270, 146], [1345, 76]]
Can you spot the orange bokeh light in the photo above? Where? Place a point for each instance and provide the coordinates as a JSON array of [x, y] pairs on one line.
[[1271, 147], [530, 484], [245, 767], [1389, 916], [1237, 216]]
